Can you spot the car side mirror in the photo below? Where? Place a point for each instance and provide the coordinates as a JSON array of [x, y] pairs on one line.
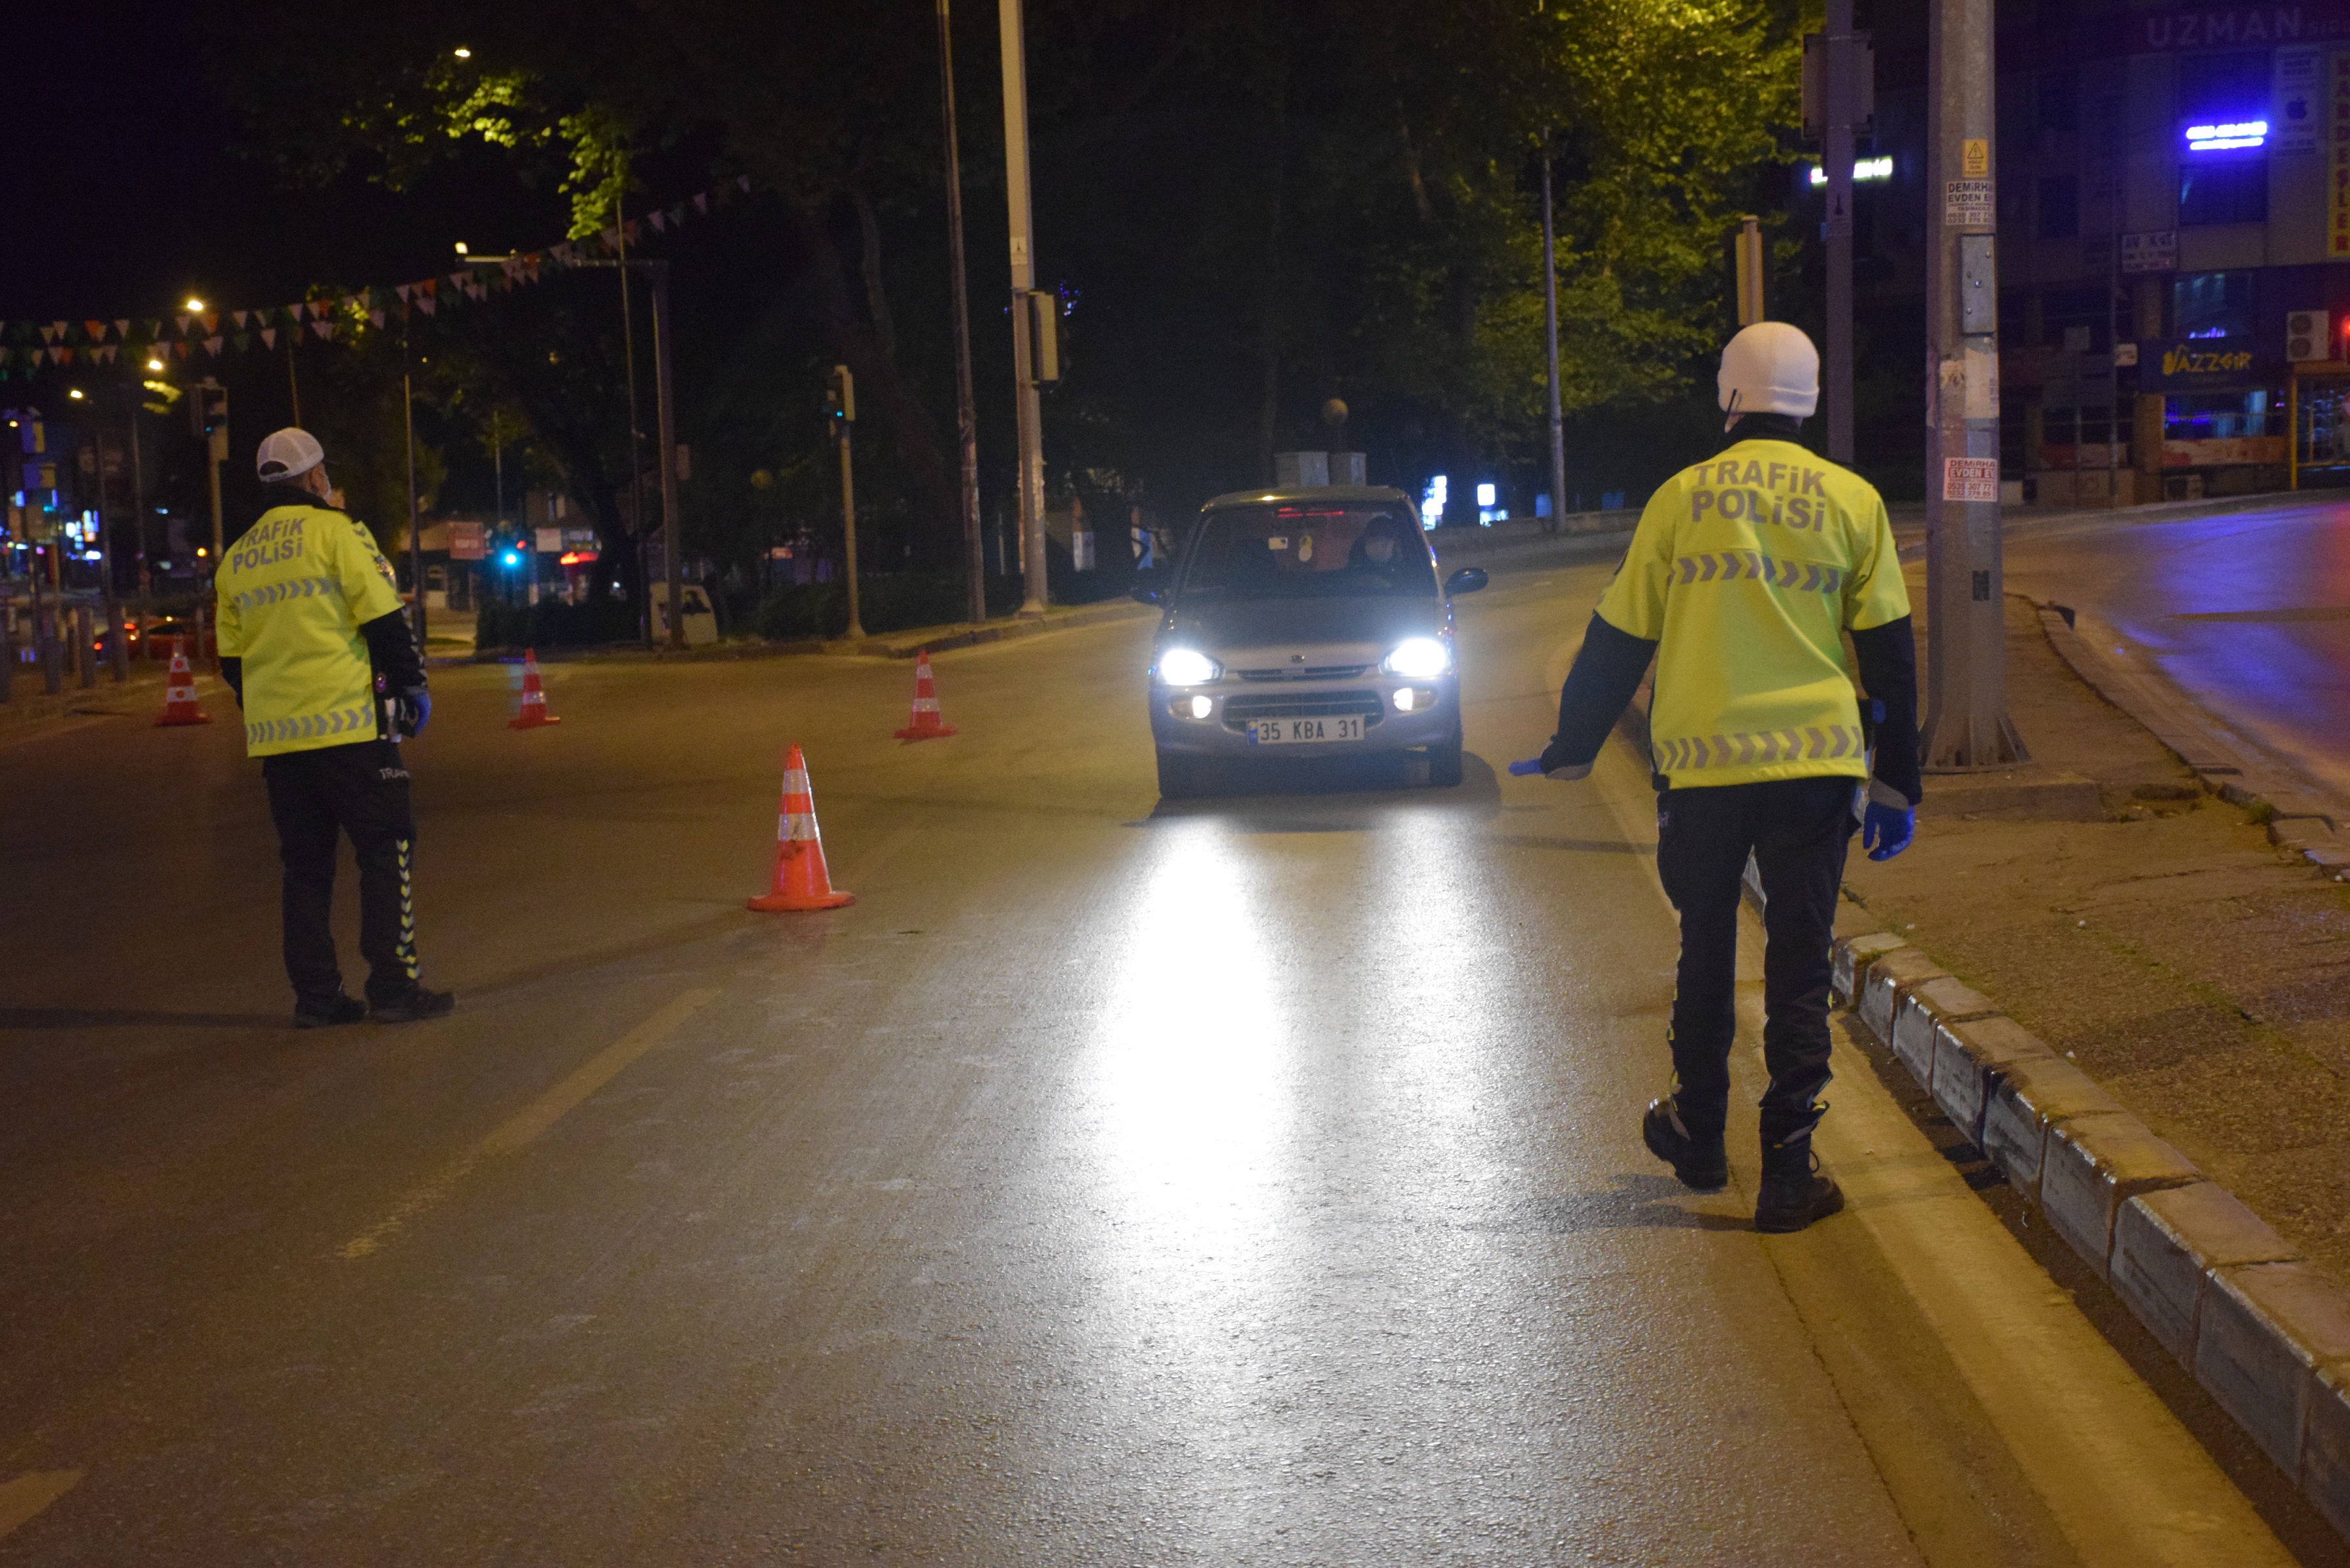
[[1467, 580], [1146, 593]]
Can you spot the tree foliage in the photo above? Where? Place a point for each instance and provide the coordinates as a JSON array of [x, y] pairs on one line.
[[1247, 206]]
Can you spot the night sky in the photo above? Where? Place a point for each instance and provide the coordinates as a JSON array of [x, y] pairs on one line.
[[130, 188]]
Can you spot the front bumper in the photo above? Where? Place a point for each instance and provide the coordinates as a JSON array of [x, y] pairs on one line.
[[1433, 718]]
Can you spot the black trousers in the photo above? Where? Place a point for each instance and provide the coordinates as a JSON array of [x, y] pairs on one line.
[[1797, 830], [360, 790]]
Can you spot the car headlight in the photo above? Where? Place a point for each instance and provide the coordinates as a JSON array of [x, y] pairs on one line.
[[1417, 659], [1187, 667]]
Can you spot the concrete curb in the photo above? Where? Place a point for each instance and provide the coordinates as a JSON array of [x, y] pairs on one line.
[[2265, 1332], [2298, 822]]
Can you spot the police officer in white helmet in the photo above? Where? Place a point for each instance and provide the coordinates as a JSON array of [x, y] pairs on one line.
[[1744, 575], [314, 643]]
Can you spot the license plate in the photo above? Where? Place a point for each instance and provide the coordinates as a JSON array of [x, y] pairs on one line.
[[1292, 732]]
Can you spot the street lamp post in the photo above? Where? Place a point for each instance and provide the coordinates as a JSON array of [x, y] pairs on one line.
[[1550, 335], [966, 407]]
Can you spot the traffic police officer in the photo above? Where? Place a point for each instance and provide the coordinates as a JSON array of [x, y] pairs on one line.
[[314, 643], [1743, 578]]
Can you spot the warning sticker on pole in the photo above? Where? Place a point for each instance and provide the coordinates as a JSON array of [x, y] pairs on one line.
[[1967, 203], [1970, 479]]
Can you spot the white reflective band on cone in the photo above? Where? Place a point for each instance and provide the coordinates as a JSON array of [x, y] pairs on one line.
[[795, 781], [925, 704], [795, 827]]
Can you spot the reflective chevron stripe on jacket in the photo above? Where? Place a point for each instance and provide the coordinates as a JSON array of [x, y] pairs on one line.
[[357, 722], [1736, 565], [290, 589], [1758, 747]]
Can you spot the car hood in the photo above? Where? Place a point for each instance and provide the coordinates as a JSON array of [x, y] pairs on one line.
[[1273, 633]]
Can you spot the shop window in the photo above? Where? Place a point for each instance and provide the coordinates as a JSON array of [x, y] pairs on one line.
[[2224, 87], [2060, 207], [2223, 188], [2219, 416], [2213, 305], [2060, 99], [2077, 318]]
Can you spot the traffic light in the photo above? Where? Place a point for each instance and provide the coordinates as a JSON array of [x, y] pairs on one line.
[[839, 399], [208, 416]]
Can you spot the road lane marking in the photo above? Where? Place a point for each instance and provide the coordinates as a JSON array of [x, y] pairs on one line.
[[22, 1499], [2124, 1480], [532, 1120]]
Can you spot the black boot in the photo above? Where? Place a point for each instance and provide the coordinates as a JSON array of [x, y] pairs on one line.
[[1700, 1162], [326, 1011], [411, 1004], [1794, 1191]]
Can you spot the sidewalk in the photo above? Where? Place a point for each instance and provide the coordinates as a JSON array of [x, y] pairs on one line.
[[2194, 969]]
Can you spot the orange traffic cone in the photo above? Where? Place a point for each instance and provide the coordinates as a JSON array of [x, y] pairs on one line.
[[534, 714], [926, 724], [801, 881], [180, 694]]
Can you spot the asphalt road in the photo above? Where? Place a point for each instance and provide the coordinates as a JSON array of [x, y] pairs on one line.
[[2247, 612], [1256, 1181]]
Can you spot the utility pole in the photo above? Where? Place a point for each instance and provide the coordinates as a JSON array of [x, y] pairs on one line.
[[1749, 255], [1842, 61], [840, 410], [665, 399], [966, 407], [1550, 334], [415, 515], [1967, 724], [636, 433], [211, 413], [118, 647], [1029, 404]]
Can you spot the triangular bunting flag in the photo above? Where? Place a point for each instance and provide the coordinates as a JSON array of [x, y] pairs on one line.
[[402, 292], [743, 183], [701, 202], [211, 322], [213, 346], [659, 220], [108, 352], [460, 279], [60, 356], [677, 213], [629, 228], [49, 333], [429, 287], [269, 338], [376, 316], [184, 321], [429, 306], [324, 329], [180, 350], [122, 330], [94, 331], [242, 340], [611, 238]]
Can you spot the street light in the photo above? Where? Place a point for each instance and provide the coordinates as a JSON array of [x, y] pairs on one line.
[[195, 304]]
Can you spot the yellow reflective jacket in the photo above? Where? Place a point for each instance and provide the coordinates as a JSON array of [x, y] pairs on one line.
[[294, 591], [1745, 571]]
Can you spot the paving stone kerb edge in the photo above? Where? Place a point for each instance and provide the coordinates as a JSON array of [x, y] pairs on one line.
[[2264, 1331]]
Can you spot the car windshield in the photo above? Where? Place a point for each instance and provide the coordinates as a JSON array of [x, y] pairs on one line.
[[1306, 550]]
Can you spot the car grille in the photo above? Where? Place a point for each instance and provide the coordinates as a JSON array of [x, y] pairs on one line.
[[1241, 711], [1307, 673]]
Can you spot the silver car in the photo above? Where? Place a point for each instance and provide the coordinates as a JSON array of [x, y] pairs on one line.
[[1304, 624]]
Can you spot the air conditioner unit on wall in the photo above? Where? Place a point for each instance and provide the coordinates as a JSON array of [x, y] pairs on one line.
[[2308, 336]]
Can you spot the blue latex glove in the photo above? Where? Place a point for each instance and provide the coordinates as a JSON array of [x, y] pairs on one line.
[[1885, 830], [408, 711], [1530, 768]]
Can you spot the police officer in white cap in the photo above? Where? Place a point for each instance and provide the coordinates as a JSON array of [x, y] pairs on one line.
[[316, 645], [1742, 578]]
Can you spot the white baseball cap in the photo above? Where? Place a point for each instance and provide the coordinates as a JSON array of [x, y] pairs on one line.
[[289, 453]]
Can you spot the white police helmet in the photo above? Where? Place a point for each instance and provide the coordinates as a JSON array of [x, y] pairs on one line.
[[1770, 367], [287, 453]]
